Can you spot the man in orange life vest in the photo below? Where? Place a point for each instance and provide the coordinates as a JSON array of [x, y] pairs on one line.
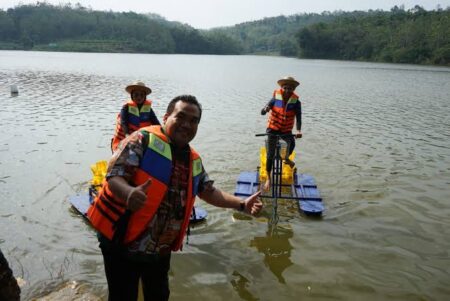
[[142, 211], [135, 113], [284, 108]]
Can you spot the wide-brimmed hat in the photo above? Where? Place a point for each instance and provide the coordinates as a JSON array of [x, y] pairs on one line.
[[138, 86], [288, 80]]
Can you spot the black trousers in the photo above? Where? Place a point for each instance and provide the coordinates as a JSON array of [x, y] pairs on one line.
[[123, 273], [272, 143]]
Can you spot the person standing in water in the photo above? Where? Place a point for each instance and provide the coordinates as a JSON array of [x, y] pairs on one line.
[[142, 211]]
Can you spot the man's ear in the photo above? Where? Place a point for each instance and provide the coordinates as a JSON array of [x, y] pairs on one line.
[[165, 117]]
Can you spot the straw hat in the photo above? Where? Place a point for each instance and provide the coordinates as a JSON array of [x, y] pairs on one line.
[[138, 86], [288, 80]]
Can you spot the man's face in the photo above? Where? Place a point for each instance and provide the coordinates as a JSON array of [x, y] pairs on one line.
[[138, 96], [181, 125], [287, 90]]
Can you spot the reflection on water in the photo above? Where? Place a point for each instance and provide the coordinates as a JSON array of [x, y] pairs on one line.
[[375, 138], [240, 285], [276, 249]]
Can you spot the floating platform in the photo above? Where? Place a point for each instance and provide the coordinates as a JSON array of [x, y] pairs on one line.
[[304, 191], [308, 195]]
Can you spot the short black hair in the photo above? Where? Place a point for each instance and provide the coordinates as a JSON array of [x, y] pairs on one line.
[[184, 98]]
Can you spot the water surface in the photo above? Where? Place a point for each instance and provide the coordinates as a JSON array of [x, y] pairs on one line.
[[376, 138]]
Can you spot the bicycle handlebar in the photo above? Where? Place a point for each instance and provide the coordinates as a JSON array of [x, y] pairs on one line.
[[276, 135]]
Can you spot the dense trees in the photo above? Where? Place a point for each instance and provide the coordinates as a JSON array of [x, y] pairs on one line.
[[399, 35], [193, 41], [66, 28], [273, 35]]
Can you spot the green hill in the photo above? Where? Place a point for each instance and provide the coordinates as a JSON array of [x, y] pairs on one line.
[[401, 36]]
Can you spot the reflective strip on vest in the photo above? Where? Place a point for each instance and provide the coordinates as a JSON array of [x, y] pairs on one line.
[[196, 171], [146, 108], [291, 101], [157, 159], [160, 146], [133, 110]]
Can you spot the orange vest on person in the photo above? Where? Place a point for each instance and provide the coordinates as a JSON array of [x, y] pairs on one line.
[[156, 165], [282, 114], [136, 119]]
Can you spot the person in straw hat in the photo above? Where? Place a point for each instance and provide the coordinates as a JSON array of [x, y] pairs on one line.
[[285, 108], [135, 113]]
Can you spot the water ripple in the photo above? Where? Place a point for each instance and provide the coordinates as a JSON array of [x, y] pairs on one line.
[[377, 145]]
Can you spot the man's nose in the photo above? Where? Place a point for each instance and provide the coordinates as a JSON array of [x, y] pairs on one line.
[[186, 123]]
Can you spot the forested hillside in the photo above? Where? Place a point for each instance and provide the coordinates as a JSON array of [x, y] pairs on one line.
[[401, 36], [274, 35], [66, 28]]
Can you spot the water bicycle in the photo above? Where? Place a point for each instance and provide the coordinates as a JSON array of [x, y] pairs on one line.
[[81, 202], [286, 183]]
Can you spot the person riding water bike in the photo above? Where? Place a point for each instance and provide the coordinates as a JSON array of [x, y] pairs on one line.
[[285, 110]]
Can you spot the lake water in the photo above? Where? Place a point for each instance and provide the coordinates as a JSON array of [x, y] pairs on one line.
[[376, 138]]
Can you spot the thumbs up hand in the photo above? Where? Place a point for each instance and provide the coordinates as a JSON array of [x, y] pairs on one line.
[[253, 204], [138, 196]]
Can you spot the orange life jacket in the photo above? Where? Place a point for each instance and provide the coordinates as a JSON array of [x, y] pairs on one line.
[[136, 119], [282, 114], [156, 164]]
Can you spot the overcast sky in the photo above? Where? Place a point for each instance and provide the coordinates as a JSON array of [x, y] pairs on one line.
[[214, 13]]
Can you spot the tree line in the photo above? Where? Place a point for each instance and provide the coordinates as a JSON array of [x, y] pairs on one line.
[[401, 36], [76, 28]]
